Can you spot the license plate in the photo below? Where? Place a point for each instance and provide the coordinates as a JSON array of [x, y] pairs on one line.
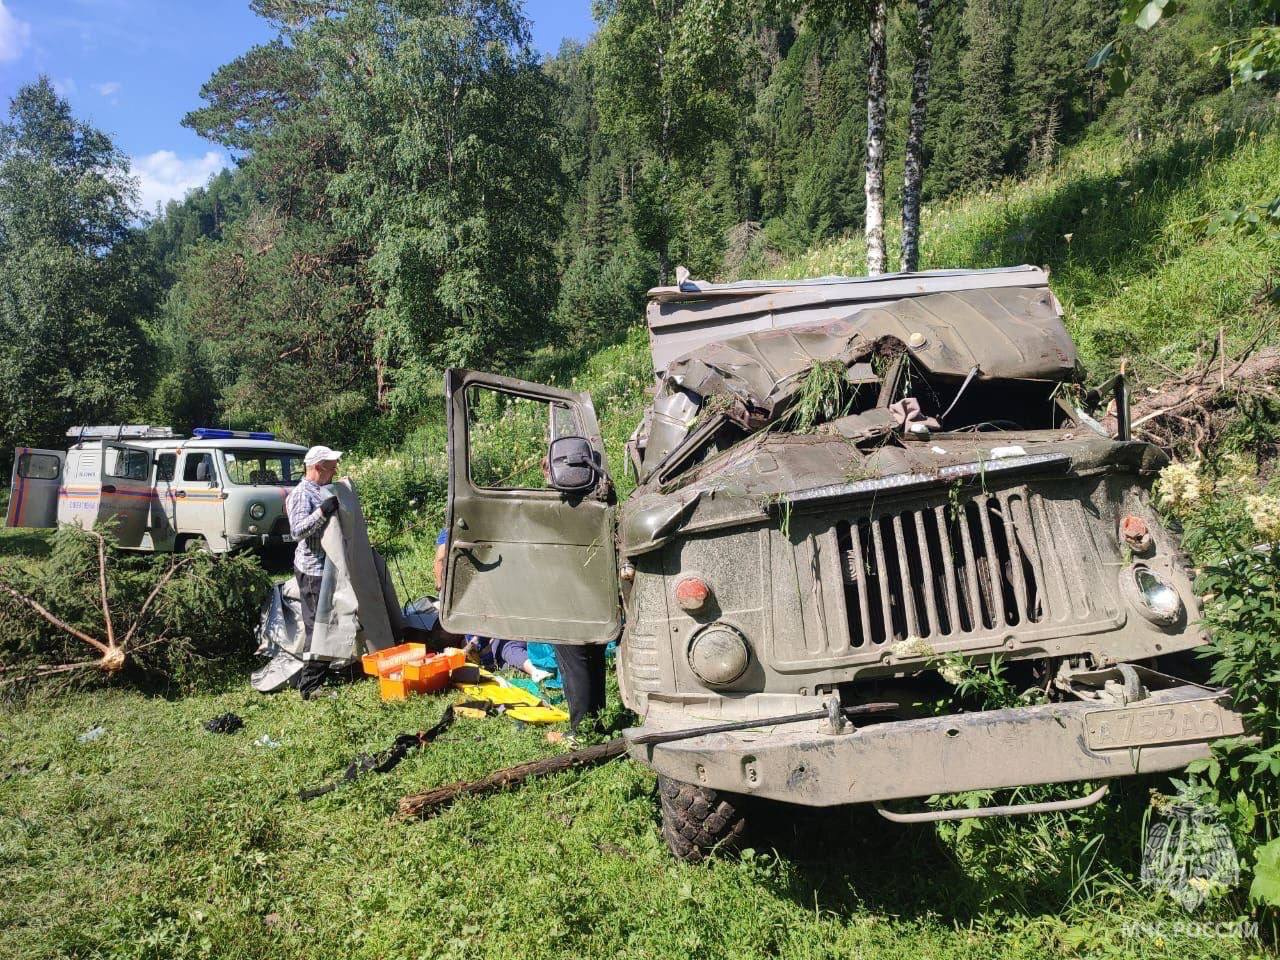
[[1180, 722]]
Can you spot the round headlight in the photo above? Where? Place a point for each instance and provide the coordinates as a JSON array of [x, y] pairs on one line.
[[1159, 601], [719, 654], [257, 510]]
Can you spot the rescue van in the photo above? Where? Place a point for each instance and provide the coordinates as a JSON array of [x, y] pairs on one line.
[[216, 490]]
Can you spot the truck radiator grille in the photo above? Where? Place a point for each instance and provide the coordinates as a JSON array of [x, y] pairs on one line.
[[971, 567]]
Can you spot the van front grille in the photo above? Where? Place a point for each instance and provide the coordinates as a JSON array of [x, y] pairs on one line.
[[967, 567]]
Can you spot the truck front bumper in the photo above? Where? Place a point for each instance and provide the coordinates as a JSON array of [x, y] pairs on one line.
[[1054, 743]]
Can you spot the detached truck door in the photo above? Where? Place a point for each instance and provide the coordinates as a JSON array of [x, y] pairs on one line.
[[524, 560], [125, 504], [33, 492]]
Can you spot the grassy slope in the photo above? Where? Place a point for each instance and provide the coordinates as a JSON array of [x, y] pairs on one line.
[[162, 840]]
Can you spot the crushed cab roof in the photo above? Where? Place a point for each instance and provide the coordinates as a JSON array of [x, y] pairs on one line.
[[1003, 333]]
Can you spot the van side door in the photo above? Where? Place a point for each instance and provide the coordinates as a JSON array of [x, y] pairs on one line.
[[530, 548], [126, 493], [198, 499], [162, 507], [33, 490]]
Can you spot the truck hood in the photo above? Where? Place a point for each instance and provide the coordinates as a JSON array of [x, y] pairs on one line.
[[749, 482]]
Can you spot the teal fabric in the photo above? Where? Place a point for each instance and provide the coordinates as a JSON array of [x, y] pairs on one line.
[[542, 656]]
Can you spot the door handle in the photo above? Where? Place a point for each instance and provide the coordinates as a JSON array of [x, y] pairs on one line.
[[108, 488], [181, 494]]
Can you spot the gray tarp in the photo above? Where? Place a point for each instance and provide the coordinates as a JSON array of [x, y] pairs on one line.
[[357, 601], [357, 610]]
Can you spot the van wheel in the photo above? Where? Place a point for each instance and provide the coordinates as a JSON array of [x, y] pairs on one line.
[[195, 544], [697, 821]]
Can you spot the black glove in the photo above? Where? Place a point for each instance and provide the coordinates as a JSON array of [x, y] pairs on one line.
[[329, 506]]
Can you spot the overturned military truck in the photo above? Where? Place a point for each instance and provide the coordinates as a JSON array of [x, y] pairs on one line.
[[844, 485]]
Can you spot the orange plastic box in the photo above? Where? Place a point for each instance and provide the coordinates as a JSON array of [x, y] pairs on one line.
[[432, 674], [384, 663], [393, 687]]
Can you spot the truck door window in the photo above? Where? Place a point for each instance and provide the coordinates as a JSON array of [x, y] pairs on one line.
[[198, 468], [165, 467], [508, 436], [127, 464], [38, 466]]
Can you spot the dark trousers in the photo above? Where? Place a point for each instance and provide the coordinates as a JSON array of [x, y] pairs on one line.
[[313, 672], [309, 591], [582, 671]]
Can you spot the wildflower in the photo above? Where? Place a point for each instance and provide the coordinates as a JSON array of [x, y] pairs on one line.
[[913, 647], [953, 671], [1235, 476], [1180, 487], [1264, 510]]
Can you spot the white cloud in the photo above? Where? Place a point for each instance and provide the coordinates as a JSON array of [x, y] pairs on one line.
[[164, 176], [108, 89], [64, 87], [15, 34]]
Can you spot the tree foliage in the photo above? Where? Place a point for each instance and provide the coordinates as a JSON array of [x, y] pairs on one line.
[[414, 188], [74, 277]]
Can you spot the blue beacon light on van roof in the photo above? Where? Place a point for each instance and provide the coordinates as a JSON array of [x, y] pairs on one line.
[[213, 433]]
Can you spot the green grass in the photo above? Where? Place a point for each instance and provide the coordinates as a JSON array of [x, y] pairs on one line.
[[163, 840], [22, 546]]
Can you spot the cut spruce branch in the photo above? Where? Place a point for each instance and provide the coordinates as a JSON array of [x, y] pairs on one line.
[[431, 802], [113, 655]]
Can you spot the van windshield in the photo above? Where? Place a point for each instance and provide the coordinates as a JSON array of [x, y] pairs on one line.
[[256, 468]]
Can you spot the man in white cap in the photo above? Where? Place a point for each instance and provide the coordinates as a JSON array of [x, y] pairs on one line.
[[309, 507]]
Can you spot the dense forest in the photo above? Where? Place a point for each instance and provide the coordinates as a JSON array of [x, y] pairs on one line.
[[415, 187]]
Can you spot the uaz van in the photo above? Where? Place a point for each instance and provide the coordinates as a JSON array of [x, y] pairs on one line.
[[217, 490]]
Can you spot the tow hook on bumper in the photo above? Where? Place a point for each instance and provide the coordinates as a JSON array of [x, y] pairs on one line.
[[1053, 743]]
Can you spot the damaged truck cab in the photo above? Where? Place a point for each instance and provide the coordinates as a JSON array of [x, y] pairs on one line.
[[845, 487]]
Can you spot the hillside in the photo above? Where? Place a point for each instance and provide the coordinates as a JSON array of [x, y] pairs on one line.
[[1124, 232]]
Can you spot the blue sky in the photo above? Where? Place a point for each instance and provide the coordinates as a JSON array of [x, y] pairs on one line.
[[134, 68]]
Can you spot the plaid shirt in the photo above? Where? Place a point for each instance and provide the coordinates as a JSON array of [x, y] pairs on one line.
[[307, 524]]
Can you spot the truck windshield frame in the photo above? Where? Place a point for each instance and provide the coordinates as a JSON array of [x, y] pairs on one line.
[[262, 468]]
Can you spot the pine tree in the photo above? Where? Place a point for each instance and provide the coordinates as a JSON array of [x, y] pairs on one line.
[[74, 282], [983, 71]]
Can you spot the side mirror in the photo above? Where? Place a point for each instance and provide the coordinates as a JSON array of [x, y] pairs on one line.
[[1116, 388], [571, 465]]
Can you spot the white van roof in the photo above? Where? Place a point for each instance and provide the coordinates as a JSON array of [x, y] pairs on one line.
[[176, 443]]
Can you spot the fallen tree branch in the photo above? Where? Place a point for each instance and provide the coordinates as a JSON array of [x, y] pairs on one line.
[[1185, 405], [155, 591], [431, 802], [60, 624], [51, 671], [102, 587]]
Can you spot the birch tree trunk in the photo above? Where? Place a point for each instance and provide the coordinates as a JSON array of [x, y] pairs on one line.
[[876, 71], [914, 166]]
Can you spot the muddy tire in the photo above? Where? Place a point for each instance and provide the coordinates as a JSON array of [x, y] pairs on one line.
[[697, 821]]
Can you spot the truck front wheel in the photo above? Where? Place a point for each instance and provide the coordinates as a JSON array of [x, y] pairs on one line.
[[697, 821]]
